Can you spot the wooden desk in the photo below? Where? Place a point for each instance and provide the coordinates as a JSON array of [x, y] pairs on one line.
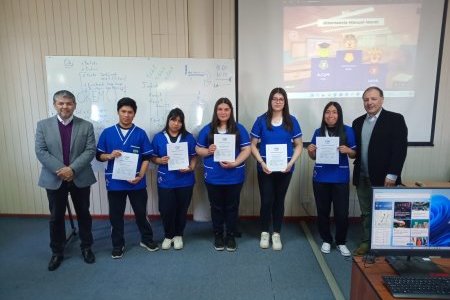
[[425, 184], [366, 278]]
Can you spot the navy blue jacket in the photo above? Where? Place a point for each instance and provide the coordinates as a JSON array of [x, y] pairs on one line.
[[387, 147]]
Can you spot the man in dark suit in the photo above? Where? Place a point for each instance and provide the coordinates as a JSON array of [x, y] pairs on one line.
[[382, 140], [65, 146]]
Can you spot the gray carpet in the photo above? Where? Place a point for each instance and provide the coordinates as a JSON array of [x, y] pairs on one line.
[[196, 272]]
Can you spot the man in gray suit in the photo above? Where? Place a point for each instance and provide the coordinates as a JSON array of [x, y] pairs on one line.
[[65, 146]]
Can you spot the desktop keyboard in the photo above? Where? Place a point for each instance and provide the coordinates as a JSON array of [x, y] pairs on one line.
[[418, 287]]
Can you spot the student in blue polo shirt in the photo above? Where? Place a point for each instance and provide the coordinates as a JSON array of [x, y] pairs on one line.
[[113, 141], [330, 181], [276, 126], [224, 179], [174, 187]]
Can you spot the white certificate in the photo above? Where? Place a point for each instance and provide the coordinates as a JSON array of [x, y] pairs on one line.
[[178, 156], [226, 147], [125, 166], [276, 157], [327, 151]]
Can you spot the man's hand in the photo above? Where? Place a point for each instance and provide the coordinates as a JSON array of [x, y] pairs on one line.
[[388, 182], [65, 173]]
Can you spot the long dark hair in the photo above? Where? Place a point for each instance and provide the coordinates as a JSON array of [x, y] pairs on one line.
[[287, 122], [173, 114], [231, 123], [340, 131]]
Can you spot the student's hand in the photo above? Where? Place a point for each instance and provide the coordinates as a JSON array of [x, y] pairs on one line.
[[312, 149], [211, 149], [344, 149], [264, 168], [288, 168], [136, 179], [187, 170], [227, 164], [114, 154], [164, 160]]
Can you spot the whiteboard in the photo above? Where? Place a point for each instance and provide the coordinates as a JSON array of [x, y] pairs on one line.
[[156, 84]]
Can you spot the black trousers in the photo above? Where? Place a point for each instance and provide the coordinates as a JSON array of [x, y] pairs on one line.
[[117, 201], [57, 202], [173, 207], [224, 201], [272, 189], [326, 194]]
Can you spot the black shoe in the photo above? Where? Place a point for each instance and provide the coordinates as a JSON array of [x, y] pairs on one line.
[[231, 243], [150, 246], [55, 262], [117, 252], [219, 244], [88, 256]]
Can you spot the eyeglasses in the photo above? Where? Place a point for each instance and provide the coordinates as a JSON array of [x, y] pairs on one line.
[[280, 100]]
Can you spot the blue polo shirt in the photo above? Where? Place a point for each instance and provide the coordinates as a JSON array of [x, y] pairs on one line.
[[328, 173], [135, 141], [214, 173], [172, 179], [278, 135]]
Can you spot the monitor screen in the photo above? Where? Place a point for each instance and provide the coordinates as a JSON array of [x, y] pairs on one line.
[[411, 221]]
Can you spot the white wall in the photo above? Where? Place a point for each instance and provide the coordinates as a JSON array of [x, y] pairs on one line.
[[32, 29]]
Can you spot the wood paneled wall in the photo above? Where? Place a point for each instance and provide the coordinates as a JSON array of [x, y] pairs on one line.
[[32, 29]]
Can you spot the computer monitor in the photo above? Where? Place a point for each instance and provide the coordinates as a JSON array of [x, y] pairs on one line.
[[411, 222]]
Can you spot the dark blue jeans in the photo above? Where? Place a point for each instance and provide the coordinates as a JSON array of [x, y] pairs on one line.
[[326, 194], [272, 189], [173, 207], [117, 201], [224, 201], [57, 201]]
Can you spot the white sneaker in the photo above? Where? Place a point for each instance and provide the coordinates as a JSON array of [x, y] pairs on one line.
[[166, 244], [178, 242], [264, 242], [276, 241], [344, 250], [326, 247]]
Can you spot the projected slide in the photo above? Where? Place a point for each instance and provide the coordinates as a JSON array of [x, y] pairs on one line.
[[332, 50], [337, 51]]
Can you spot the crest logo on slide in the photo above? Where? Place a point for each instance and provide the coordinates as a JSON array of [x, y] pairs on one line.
[[349, 57]]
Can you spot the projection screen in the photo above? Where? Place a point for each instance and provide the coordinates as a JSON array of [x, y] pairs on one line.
[[322, 51]]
